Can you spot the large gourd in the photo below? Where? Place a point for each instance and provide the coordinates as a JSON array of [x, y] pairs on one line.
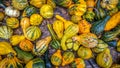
[[68, 33]]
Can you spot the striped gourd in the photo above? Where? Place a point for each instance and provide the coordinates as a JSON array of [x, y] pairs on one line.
[[32, 33], [5, 32], [68, 57], [56, 58], [41, 46]]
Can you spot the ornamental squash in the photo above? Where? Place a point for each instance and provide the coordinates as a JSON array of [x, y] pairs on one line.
[[33, 33], [58, 27], [11, 62], [37, 3], [104, 59], [46, 11], [10, 11], [5, 32], [68, 33], [110, 25], [52, 3], [84, 26], [12, 22], [35, 63], [28, 11], [16, 39], [118, 46], [84, 53], [63, 3], [41, 46], [56, 58], [6, 48], [78, 63], [1, 16], [100, 47], [68, 57], [55, 43], [89, 16], [109, 4], [35, 19], [26, 45], [75, 18], [113, 11], [115, 66], [19, 4]]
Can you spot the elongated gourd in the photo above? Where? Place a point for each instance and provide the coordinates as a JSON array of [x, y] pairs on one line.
[[68, 33], [112, 22]]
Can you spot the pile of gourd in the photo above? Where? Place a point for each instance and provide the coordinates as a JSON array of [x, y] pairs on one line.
[[93, 26]]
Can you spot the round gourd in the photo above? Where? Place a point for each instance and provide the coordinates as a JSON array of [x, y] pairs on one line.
[[5, 32], [56, 58], [84, 53], [35, 63], [68, 57], [26, 45], [46, 11], [1, 16], [37, 3], [35, 19], [78, 63], [12, 22], [33, 33], [19, 4], [88, 40]]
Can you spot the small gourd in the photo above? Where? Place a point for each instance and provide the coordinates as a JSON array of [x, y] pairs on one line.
[[12, 22], [76, 18], [37, 3], [118, 46], [63, 3], [1, 16]]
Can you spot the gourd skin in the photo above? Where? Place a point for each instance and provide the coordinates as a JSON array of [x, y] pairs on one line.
[[1, 16]]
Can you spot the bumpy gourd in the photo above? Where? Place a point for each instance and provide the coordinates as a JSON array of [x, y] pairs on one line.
[[37, 3]]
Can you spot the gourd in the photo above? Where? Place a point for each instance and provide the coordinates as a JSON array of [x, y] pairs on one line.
[[35, 63], [88, 40], [84, 53], [6, 48], [104, 59], [100, 47], [84, 26], [46, 11], [109, 4], [52, 3], [110, 25], [56, 58], [78, 63], [72, 44], [1, 16], [68, 57], [23, 55], [35, 19], [65, 22], [28, 11], [112, 43], [5, 32], [115, 66], [16, 39], [19, 4], [58, 27], [98, 26], [75, 18], [11, 61], [26, 45], [10, 11], [113, 11], [24, 23], [41, 46], [37, 3], [12, 22], [111, 35], [33, 33], [118, 46], [63, 3], [68, 33], [55, 43]]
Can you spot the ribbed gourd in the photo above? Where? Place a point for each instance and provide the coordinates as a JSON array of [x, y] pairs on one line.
[[12, 22], [56, 58], [35, 63], [41, 46], [33, 33], [68, 33], [84, 53], [104, 59], [68, 57], [5, 32]]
